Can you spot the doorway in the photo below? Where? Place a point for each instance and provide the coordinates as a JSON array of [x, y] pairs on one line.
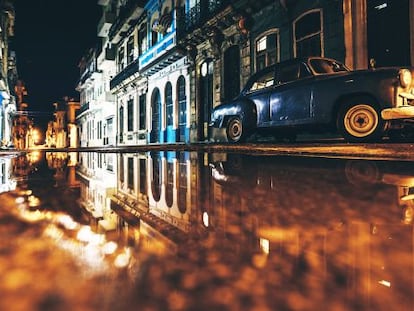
[[388, 26]]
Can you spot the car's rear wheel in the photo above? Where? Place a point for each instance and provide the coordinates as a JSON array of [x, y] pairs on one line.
[[360, 121], [235, 130]]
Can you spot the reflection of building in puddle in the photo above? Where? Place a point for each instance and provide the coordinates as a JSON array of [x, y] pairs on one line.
[[96, 173], [7, 180], [157, 192]]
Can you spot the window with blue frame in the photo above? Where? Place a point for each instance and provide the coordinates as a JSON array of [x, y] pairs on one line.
[[169, 104], [182, 107]]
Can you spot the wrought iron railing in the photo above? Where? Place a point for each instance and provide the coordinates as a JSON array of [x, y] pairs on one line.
[[202, 12], [128, 71]]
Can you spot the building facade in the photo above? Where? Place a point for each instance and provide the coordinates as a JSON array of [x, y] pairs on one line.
[[62, 132], [8, 74], [168, 63]]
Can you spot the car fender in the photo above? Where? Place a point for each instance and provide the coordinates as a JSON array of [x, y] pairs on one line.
[[344, 98], [244, 109]]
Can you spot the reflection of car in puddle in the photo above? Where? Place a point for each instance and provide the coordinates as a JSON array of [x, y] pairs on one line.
[[319, 184], [400, 174]]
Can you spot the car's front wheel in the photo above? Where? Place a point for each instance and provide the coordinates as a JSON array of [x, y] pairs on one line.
[[360, 121], [235, 130]]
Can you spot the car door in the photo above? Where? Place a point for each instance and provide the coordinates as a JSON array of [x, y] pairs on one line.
[[258, 91], [291, 102]]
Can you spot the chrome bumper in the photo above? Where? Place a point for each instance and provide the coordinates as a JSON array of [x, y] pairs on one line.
[[406, 111], [403, 112]]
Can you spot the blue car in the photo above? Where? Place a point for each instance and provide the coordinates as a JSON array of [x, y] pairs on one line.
[[317, 94]]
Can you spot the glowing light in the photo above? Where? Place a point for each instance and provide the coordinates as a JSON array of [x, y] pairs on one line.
[[19, 200], [205, 219], [407, 197], [265, 245], [382, 6], [122, 260], [33, 201], [385, 283], [85, 234], [109, 248], [67, 222]]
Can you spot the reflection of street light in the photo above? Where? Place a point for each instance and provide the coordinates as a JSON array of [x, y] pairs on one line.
[[35, 136]]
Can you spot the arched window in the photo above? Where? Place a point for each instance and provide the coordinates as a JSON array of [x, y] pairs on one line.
[[169, 189], [308, 34], [182, 107], [182, 182], [156, 175], [169, 104], [267, 49], [156, 115]]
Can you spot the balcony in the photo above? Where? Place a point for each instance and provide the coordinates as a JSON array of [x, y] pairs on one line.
[[82, 109], [198, 15], [105, 23], [128, 15], [127, 72], [163, 54]]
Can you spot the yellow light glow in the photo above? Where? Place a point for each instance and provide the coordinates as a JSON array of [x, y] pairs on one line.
[[109, 248], [67, 222], [19, 200], [205, 219], [85, 234], [122, 260], [265, 245], [385, 283]]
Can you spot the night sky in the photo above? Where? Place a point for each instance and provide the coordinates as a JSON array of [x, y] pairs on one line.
[[50, 38]]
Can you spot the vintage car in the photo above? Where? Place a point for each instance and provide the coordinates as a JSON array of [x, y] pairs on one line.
[[317, 94]]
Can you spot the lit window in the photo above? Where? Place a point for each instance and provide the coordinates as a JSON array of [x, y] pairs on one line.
[[267, 49]]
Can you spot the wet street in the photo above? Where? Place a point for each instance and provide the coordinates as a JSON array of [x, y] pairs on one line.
[[182, 230]]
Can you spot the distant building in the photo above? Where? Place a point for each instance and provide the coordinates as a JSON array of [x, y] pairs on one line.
[[62, 130], [8, 73]]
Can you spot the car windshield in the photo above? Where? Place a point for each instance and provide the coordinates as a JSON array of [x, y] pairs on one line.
[[326, 66]]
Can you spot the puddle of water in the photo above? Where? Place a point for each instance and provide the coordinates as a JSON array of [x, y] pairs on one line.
[[195, 231]]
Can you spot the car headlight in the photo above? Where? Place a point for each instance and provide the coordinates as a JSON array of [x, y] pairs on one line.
[[405, 77]]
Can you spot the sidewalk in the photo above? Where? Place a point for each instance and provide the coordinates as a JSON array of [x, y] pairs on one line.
[[382, 151]]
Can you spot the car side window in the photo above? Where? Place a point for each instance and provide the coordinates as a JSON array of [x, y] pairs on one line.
[[291, 73], [263, 81], [288, 73], [325, 66]]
